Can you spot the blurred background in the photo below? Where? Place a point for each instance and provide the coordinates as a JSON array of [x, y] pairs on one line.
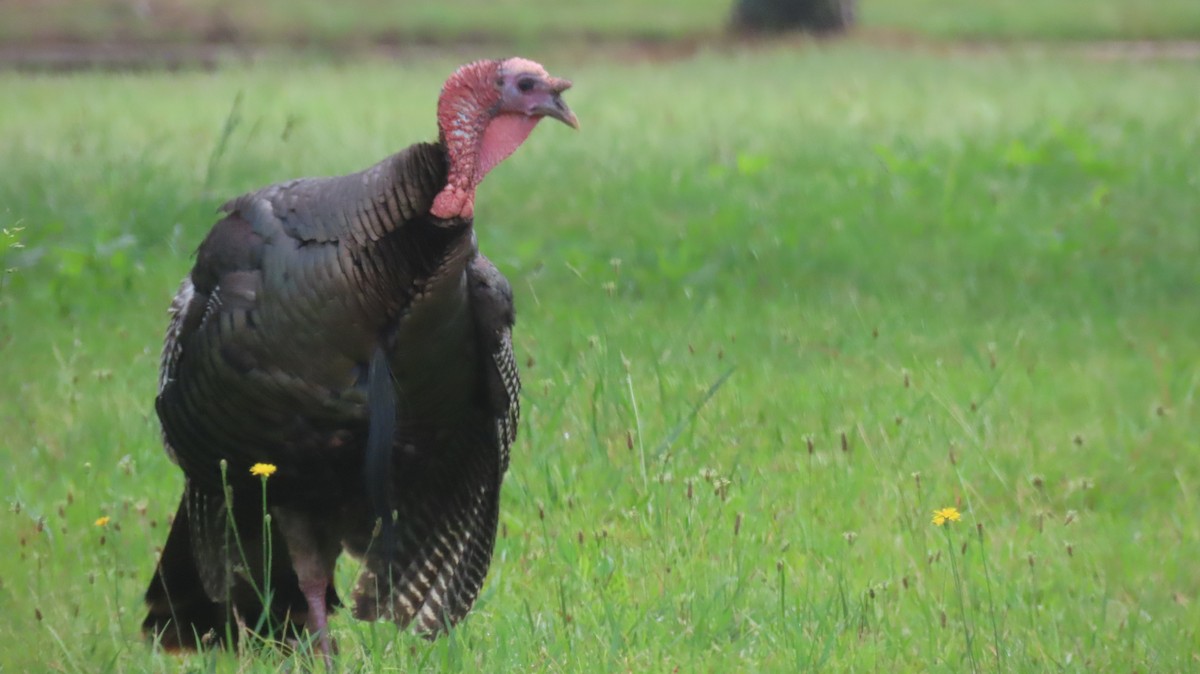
[[71, 33]]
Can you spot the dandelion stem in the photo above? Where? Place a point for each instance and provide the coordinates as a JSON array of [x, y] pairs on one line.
[[266, 528], [987, 575], [962, 602], [232, 528]]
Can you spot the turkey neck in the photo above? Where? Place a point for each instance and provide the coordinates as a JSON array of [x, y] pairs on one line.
[[421, 262], [396, 249]]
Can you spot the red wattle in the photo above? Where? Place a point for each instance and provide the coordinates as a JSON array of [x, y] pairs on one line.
[[502, 136]]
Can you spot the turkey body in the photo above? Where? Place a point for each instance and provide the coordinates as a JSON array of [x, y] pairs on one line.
[[320, 316]]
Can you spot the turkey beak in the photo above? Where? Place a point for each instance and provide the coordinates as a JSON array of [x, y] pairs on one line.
[[556, 107]]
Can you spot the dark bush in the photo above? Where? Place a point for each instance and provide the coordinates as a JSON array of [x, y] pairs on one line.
[[773, 16]]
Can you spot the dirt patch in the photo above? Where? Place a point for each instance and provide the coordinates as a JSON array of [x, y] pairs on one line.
[[65, 55], [1142, 51], [51, 56], [208, 52]]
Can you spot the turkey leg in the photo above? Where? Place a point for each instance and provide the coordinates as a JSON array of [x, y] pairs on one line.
[[313, 563]]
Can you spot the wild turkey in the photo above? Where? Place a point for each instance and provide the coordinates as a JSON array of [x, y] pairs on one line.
[[348, 332]]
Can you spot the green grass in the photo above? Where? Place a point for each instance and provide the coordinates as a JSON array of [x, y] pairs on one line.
[[930, 282], [316, 22]]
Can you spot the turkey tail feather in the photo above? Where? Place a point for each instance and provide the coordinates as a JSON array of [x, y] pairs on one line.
[[444, 541], [180, 615]]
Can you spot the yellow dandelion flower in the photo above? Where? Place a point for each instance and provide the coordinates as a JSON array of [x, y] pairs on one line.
[[263, 469], [945, 515], [102, 521]]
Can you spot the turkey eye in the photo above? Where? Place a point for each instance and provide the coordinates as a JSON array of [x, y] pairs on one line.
[[525, 84]]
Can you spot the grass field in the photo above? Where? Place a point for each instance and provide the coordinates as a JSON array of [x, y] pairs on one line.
[[775, 308]]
